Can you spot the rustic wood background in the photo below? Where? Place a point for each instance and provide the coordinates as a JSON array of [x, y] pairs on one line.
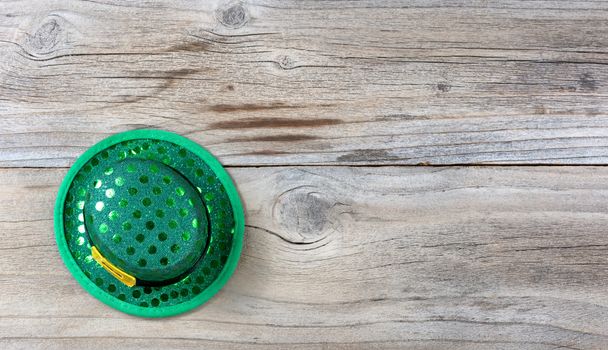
[[417, 174]]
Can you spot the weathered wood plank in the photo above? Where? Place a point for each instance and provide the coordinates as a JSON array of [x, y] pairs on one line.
[[338, 257], [309, 82]]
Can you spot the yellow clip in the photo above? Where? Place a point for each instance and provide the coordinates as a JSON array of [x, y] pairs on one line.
[[113, 270]]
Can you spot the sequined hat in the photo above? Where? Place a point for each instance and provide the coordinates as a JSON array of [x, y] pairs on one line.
[[149, 223]]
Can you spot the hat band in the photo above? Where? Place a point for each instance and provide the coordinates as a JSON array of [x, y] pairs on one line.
[[130, 280], [112, 269]]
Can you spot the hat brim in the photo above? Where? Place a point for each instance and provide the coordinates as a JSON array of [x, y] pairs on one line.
[[193, 294]]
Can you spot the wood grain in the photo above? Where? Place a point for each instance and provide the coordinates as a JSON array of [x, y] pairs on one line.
[[349, 258], [339, 254], [309, 82]]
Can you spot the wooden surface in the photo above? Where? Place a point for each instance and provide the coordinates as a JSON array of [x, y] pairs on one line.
[[393, 257], [310, 82], [327, 115]]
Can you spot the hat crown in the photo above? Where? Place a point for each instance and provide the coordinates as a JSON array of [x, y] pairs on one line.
[[146, 218]]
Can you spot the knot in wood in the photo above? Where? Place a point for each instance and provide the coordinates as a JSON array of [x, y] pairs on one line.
[[46, 37], [233, 15], [304, 212], [285, 62], [444, 87]]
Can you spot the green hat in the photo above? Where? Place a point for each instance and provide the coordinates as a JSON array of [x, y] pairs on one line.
[[149, 223]]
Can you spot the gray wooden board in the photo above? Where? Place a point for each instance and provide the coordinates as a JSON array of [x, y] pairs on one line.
[[339, 254], [349, 257], [309, 82]]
